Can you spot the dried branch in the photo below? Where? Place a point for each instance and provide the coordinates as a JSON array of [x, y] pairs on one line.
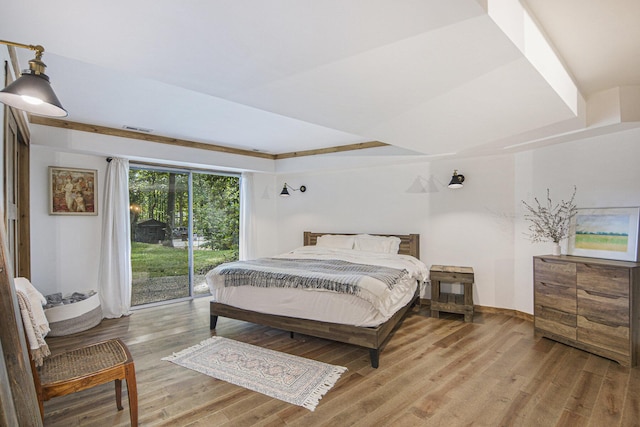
[[550, 222]]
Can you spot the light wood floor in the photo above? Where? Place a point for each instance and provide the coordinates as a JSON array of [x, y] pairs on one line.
[[433, 372]]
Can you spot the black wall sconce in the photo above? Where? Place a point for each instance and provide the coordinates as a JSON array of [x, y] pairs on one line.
[[32, 91], [285, 189], [456, 180]]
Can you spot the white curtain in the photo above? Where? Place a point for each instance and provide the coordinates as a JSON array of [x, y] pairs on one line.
[[114, 273], [247, 234]]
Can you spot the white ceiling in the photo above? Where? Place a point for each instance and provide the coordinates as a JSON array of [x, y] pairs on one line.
[[277, 76]]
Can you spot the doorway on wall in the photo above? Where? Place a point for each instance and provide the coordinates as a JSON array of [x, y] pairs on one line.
[[183, 224]]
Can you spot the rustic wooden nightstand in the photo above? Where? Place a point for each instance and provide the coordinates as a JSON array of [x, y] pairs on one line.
[[448, 302]]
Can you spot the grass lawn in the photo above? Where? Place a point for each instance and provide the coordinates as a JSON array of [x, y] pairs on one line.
[[602, 242], [161, 273], [153, 260]]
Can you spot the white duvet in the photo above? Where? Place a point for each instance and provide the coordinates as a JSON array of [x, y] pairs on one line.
[[375, 304]]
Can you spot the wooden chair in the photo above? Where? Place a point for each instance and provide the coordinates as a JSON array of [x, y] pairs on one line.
[[86, 367]]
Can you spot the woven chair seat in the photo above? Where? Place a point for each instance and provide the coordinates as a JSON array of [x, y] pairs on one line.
[[82, 362], [79, 369], [86, 367]]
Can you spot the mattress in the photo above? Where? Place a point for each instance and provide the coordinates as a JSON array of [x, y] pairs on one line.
[[324, 305]]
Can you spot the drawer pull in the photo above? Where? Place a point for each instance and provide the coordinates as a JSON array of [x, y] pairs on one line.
[[602, 294], [556, 286], [604, 322], [555, 310]]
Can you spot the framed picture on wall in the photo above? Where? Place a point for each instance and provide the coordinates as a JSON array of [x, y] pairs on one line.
[[72, 191], [610, 233]]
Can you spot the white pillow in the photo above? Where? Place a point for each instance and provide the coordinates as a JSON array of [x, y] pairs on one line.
[[383, 244], [335, 241], [394, 246]]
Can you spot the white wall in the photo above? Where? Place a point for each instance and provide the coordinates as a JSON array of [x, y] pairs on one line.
[[134, 149], [479, 226], [605, 171], [471, 226], [65, 249], [263, 218]]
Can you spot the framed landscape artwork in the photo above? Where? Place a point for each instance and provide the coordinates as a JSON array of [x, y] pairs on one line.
[[72, 191], [610, 233]]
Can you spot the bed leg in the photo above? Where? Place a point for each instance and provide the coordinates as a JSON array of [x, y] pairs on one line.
[[213, 321], [374, 355]]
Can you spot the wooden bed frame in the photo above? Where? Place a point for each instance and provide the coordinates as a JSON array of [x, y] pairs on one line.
[[373, 338]]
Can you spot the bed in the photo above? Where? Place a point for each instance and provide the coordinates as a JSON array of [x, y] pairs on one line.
[[366, 317]]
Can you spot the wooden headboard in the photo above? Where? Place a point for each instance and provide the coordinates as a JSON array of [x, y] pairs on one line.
[[409, 243]]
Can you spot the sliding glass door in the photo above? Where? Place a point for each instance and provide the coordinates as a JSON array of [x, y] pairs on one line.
[[216, 224], [183, 223]]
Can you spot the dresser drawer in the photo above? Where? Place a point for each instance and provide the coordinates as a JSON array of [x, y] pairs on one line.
[[609, 337], [561, 273], [603, 279], [561, 298], [603, 308], [555, 321], [555, 309]]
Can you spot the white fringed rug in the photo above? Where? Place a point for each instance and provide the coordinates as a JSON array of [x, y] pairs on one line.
[[292, 379]]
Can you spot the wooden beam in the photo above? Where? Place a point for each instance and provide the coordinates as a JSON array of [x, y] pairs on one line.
[[103, 130], [337, 149], [121, 133], [24, 211]]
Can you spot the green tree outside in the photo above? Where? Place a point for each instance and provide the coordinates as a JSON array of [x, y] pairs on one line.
[[159, 215]]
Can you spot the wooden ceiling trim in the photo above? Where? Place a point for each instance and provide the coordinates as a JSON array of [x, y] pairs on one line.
[[122, 133], [338, 149]]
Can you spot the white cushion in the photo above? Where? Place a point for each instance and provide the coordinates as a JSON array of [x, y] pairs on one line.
[[335, 241], [382, 244]]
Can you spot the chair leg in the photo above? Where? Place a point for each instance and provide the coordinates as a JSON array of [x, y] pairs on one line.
[[132, 392], [119, 394], [41, 405]]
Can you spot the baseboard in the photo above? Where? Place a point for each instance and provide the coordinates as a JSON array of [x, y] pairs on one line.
[[509, 312], [426, 303]]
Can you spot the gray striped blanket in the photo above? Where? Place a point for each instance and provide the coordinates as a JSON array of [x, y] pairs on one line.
[[334, 275]]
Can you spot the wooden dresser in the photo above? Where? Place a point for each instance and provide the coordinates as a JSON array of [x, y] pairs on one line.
[[589, 303]]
